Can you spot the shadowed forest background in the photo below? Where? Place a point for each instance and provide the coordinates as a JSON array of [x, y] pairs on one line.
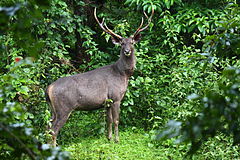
[[182, 101]]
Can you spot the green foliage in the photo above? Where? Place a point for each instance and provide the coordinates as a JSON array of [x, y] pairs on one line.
[[219, 106], [169, 67], [19, 19], [134, 143], [18, 137], [225, 42], [18, 80], [181, 56], [219, 114], [158, 5]]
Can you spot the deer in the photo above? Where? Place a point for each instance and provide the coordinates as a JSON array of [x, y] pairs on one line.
[[92, 89]]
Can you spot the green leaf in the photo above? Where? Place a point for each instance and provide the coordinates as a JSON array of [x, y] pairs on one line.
[[53, 25], [167, 3], [179, 28], [24, 90], [70, 29], [191, 28], [200, 28]]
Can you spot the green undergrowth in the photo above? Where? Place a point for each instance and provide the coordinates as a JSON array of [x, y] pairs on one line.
[[83, 136], [132, 146]]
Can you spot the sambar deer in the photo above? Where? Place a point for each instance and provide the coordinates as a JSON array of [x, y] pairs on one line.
[[90, 90]]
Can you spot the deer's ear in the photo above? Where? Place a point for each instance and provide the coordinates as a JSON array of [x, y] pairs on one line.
[[116, 40], [137, 38]]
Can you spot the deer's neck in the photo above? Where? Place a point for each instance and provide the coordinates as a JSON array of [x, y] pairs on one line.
[[125, 65]]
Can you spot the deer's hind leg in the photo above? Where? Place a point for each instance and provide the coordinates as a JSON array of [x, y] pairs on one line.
[[61, 116]]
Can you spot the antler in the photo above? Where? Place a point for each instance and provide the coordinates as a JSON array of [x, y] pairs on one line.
[[104, 26], [140, 29]]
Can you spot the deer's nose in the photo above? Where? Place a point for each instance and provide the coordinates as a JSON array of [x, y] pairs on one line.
[[127, 52]]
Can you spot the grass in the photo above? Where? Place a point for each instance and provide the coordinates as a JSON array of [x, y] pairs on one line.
[[83, 137], [132, 146]]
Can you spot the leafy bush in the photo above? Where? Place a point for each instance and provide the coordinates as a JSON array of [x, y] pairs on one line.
[[219, 106], [185, 50], [18, 137]]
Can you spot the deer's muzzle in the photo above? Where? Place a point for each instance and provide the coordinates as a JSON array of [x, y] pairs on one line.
[[127, 53]]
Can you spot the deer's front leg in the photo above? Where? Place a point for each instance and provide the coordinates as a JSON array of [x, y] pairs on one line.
[[109, 122], [115, 114]]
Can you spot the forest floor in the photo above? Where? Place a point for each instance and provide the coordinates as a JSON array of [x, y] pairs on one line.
[[132, 146], [81, 137]]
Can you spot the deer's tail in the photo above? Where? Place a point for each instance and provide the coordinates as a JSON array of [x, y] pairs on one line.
[[49, 99], [47, 96]]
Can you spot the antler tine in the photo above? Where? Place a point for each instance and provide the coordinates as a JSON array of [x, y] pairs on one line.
[[100, 24], [149, 20], [104, 26], [140, 29], [111, 32], [145, 14]]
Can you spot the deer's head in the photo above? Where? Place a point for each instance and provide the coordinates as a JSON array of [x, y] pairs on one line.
[[127, 44]]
